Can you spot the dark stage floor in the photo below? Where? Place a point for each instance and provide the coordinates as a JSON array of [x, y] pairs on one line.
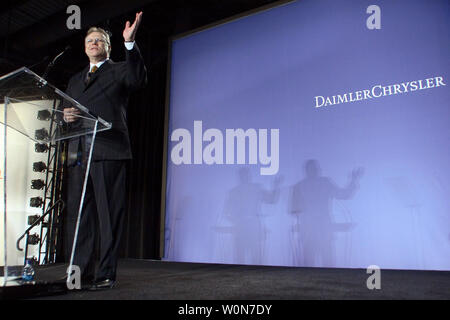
[[157, 280]]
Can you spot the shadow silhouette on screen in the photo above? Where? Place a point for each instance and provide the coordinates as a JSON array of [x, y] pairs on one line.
[[177, 236], [311, 201], [242, 219]]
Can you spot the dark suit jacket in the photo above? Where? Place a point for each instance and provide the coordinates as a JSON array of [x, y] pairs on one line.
[[107, 96]]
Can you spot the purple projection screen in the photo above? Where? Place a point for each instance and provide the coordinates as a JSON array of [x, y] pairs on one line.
[[316, 134]]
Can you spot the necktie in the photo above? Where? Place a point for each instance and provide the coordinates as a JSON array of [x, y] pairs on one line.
[[88, 78]]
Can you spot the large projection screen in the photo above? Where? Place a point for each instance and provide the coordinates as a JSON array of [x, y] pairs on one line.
[[315, 133]]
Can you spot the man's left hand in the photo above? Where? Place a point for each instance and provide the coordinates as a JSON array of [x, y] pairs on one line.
[[130, 30]]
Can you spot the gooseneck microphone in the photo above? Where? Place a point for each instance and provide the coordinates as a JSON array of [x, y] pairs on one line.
[[52, 63]]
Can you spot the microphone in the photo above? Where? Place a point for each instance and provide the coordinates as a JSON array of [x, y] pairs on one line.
[[38, 63], [52, 63]]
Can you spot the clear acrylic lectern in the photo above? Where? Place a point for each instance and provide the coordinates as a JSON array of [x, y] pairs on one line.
[[32, 124]]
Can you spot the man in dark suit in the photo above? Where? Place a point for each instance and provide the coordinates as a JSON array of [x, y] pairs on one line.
[[104, 88]]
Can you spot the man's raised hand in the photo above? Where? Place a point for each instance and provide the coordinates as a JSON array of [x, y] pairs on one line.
[[130, 30]]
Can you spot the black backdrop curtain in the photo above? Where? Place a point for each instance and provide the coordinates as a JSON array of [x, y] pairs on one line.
[[146, 127]]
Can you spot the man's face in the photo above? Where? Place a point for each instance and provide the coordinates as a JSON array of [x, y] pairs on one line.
[[96, 47]]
